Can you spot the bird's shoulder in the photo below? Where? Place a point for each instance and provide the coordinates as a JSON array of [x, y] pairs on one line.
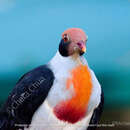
[[29, 93]]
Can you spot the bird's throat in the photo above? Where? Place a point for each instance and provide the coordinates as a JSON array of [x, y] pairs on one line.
[[76, 58]]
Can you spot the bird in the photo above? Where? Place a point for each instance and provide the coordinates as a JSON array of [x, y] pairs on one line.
[[63, 94]]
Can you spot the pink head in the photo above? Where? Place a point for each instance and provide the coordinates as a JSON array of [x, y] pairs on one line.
[[73, 41]]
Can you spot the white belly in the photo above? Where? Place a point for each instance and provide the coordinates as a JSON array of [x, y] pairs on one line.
[[44, 119]]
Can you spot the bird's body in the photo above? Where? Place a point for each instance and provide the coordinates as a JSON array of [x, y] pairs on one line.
[[62, 95]]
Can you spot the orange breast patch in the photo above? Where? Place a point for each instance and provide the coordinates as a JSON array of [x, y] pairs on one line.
[[74, 109]]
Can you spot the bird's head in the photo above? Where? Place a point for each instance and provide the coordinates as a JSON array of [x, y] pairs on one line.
[[73, 42]]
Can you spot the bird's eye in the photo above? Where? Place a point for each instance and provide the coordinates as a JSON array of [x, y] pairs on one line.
[[65, 38]]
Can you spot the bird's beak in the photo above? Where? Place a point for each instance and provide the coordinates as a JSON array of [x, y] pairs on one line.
[[82, 46], [83, 49]]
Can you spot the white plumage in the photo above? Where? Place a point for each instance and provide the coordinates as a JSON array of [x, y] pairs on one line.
[[44, 119]]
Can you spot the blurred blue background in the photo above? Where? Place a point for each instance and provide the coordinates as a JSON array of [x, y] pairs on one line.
[[30, 31]]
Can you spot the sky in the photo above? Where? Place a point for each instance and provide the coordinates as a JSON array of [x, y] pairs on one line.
[[30, 31]]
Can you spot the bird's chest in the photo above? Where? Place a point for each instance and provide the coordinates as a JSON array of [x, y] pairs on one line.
[[70, 93]]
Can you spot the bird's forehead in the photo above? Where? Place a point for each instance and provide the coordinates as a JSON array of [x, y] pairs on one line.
[[75, 34]]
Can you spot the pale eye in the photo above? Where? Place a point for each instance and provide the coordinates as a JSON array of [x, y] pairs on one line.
[[65, 38]]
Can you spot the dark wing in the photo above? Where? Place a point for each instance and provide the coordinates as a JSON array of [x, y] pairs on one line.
[[28, 94], [96, 114]]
